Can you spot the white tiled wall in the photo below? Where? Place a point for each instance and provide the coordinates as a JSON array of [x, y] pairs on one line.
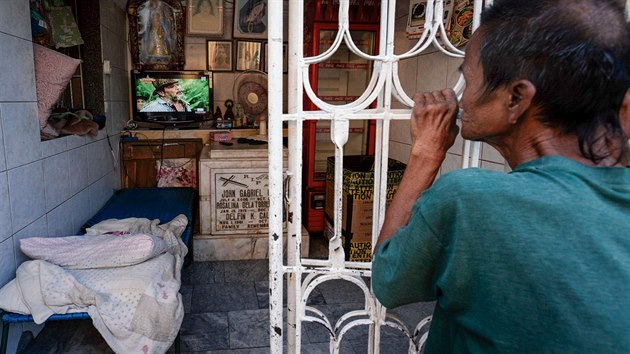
[[51, 188], [430, 71]]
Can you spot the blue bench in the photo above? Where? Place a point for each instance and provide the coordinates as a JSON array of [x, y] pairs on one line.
[[151, 203]]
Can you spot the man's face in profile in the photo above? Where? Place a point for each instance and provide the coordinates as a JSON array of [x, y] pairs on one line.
[[173, 92]]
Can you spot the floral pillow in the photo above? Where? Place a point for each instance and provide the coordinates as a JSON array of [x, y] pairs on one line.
[[177, 173], [53, 71]]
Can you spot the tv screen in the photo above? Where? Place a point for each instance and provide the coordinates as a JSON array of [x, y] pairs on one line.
[[171, 97]]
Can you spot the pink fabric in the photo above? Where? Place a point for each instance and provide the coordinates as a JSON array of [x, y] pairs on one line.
[[177, 173], [53, 71]]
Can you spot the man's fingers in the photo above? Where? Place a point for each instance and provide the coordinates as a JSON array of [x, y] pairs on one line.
[[442, 102], [418, 98]]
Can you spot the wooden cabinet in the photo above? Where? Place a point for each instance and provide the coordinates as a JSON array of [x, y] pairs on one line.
[[139, 158]]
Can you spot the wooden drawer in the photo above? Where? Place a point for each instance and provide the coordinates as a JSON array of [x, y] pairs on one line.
[[138, 162], [151, 149]]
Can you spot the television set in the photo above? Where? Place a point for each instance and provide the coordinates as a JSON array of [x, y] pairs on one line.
[[178, 99]]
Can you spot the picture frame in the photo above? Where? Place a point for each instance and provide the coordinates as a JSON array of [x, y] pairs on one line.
[[220, 56], [205, 17], [248, 55], [250, 19], [156, 34], [285, 58]]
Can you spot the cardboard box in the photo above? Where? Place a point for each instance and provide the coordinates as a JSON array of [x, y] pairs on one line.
[[357, 200], [221, 136]]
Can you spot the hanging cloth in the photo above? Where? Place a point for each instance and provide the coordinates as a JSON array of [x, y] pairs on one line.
[[65, 32]]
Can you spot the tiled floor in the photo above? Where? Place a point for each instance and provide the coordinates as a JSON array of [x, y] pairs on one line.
[[227, 311]]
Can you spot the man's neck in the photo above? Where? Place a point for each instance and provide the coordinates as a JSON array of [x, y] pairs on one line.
[[533, 140]]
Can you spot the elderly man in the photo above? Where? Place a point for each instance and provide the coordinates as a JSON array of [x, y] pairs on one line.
[[536, 260], [170, 97]]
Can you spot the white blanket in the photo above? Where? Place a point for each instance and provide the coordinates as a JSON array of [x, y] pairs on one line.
[[136, 308]]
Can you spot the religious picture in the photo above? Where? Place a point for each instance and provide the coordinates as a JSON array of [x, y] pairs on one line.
[[205, 17], [156, 34], [220, 55], [250, 19], [248, 55]]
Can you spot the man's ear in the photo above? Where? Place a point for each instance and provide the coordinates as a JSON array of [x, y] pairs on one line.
[[624, 114], [520, 96], [624, 121]]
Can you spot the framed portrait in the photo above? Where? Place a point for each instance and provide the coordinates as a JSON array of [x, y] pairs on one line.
[[156, 34], [205, 17], [285, 58], [248, 55], [250, 19], [220, 56]]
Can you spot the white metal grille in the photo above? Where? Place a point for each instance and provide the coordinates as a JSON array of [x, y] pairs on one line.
[[303, 275]]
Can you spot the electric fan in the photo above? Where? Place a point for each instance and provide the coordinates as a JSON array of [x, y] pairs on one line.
[[250, 91]]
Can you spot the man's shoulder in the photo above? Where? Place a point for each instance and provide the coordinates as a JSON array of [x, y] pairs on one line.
[[475, 178], [154, 105]]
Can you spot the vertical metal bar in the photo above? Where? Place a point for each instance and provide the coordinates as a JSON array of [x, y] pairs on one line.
[[466, 155], [295, 31], [275, 158], [386, 46], [476, 154], [339, 129]]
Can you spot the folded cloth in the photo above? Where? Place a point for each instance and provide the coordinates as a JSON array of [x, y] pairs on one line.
[[136, 308]]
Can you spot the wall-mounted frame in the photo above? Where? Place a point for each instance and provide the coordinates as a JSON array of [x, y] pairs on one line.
[[248, 55], [250, 19], [220, 56], [285, 58], [156, 34], [205, 17]]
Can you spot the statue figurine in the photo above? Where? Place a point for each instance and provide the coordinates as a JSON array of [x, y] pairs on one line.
[[241, 120], [229, 115], [217, 114]]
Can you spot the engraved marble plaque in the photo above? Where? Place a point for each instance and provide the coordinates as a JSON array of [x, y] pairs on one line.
[[241, 200]]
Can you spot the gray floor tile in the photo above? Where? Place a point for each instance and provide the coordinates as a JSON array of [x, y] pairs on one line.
[[316, 332], [206, 273], [339, 291], [240, 351], [262, 292], [205, 331], [316, 348], [224, 297], [246, 270], [249, 329], [412, 314], [186, 291]]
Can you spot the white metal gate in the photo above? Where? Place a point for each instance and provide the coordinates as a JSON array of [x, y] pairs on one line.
[[302, 274]]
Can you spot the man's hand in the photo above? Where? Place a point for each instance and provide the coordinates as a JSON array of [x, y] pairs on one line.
[[433, 132], [433, 123]]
